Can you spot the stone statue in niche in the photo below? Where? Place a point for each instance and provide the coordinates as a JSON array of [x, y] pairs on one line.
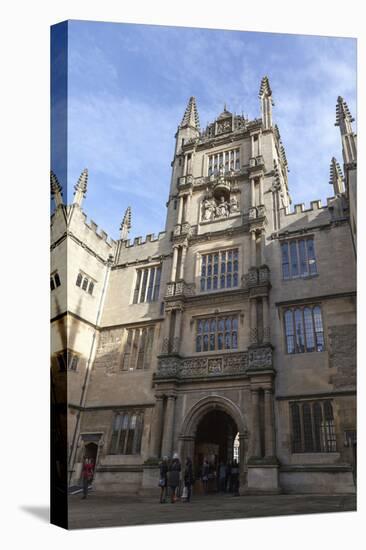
[[222, 209], [209, 207], [234, 205], [213, 209]]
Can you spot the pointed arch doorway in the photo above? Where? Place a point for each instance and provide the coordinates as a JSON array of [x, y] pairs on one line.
[[214, 429]]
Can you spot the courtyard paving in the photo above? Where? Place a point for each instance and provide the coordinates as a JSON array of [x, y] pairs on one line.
[[106, 510]]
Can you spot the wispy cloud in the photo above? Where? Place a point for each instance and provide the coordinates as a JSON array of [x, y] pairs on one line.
[[128, 89]]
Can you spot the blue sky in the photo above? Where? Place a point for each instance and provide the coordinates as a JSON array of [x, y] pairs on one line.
[[128, 86]]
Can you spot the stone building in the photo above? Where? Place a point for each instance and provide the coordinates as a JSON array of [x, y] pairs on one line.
[[231, 332]]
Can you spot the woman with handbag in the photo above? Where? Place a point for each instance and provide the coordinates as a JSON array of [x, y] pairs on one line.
[[163, 481]]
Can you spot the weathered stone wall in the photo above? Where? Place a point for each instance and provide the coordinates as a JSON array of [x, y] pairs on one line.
[[342, 355]]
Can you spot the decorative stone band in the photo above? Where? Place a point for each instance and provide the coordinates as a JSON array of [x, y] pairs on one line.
[[204, 180], [256, 161], [257, 276], [260, 358], [182, 229], [256, 212], [170, 345], [202, 367], [180, 288]]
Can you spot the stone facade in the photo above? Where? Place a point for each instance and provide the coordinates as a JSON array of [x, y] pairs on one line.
[[196, 321]]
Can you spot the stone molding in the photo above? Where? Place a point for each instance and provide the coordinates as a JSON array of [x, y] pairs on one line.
[[202, 367], [260, 358]]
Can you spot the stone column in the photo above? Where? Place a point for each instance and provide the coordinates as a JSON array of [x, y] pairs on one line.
[[263, 247], [188, 206], [182, 262], [157, 426], [252, 192], [166, 332], [243, 448], [177, 329], [185, 165], [266, 328], [261, 190], [259, 144], [180, 210], [255, 436], [166, 449], [253, 322], [174, 264], [269, 435], [253, 254]]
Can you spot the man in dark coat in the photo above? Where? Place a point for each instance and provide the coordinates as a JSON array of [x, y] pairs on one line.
[[174, 477], [188, 478]]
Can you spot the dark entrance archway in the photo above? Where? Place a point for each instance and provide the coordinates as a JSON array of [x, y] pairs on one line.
[[214, 441], [198, 425]]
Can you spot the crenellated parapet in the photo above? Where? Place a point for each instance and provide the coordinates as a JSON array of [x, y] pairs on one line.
[[96, 233], [141, 241]]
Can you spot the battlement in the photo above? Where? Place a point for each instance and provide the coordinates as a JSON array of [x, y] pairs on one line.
[[139, 241], [98, 232], [314, 206]]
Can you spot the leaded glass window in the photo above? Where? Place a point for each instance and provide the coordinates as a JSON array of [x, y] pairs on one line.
[[67, 360], [304, 329], [147, 285], [127, 432], [217, 333], [55, 280], [219, 270], [225, 160], [137, 350], [298, 258], [85, 283], [313, 427]]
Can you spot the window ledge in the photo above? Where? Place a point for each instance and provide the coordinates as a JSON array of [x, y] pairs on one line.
[[300, 278], [304, 353]]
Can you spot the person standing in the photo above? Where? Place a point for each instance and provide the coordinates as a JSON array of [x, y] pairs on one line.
[[235, 478], [228, 477], [174, 477], [188, 478], [222, 477], [163, 481], [86, 475], [205, 472]]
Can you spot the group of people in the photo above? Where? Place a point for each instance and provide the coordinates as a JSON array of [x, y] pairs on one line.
[[170, 474], [226, 477]]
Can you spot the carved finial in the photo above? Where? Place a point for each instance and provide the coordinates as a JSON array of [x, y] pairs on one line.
[[265, 88], [56, 189], [336, 177], [190, 117], [265, 95], [81, 187], [343, 112], [126, 224]]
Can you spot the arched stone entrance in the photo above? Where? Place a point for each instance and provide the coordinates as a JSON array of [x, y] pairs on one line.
[[210, 427]]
